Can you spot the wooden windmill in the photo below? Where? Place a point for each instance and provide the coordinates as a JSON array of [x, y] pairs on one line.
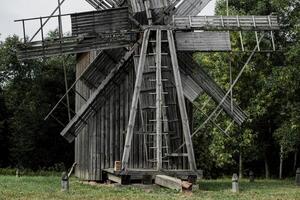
[[136, 80]]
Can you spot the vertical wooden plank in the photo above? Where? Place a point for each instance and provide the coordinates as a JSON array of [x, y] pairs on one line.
[[117, 122], [106, 133], [181, 102], [159, 163], [135, 99], [122, 110], [102, 135], [111, 129]]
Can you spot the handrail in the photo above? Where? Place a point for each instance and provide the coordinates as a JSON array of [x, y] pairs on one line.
[[71, 87]]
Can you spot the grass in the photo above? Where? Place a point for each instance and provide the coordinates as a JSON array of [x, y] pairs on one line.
[[29, 187]]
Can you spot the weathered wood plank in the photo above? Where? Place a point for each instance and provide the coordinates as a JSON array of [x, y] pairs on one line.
[[100, 21], [168, 182], [181, 103], [226, 23], [203, 41]]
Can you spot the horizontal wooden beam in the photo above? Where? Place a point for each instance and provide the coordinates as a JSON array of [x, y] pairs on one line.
[[226, 23], [74, 44]]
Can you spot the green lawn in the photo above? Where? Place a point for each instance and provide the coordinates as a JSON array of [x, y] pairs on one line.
[[49, 188]]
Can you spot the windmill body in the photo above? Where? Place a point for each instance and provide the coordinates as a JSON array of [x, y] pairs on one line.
[[136, 81]]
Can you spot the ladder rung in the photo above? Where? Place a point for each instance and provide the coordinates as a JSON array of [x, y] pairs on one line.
[[152, 134], [164, 147], [177, 155], [155, 161], [154, 41], [163, 120], [163, 67], [154, 80], [154, 54], [154, 93]]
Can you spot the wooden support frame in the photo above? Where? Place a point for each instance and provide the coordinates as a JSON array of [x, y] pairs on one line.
[[135, 100], [181, 102], [158, 101]]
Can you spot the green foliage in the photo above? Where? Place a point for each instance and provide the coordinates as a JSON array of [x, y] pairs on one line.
[[268, 90], [31, 88]]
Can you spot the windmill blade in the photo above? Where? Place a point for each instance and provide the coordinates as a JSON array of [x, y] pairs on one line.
[[96, 30], [138, 5], [71, 131], [191, 7], [188, 66], [104, 21], [102, 4], [203, 41], [73, 45], [226, 23]]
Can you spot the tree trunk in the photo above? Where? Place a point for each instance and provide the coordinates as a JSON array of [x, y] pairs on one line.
[[281, 162], [241, 165], [295, 160], [267, 172]]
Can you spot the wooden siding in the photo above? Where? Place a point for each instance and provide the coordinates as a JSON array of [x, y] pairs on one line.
[[100, 21], [203, 41], [101, 141]]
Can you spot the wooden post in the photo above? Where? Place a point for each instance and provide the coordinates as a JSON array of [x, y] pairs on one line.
[[135, 100], [181, 103], [158, 102], [298, 177], [235, 183], [65, 182]]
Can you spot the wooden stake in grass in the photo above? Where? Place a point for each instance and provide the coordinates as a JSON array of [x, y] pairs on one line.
[[64, 182], [298, 177], [235, 183]]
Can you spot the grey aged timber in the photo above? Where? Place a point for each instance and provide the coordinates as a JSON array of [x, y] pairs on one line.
[[136, 81]]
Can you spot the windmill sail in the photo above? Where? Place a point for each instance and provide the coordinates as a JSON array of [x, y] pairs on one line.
[[203, 41], [139, 6], [191, 7]]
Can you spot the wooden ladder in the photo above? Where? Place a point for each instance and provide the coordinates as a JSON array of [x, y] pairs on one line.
[[156, 129]]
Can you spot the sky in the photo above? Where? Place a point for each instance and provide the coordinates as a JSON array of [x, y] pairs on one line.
[[11, 10]]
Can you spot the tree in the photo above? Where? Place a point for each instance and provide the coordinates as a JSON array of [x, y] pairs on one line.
[[31, 88]]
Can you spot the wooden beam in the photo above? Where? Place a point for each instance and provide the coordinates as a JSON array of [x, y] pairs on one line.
[[158, 102], [168, 182], [181, 103], [135, 100]]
